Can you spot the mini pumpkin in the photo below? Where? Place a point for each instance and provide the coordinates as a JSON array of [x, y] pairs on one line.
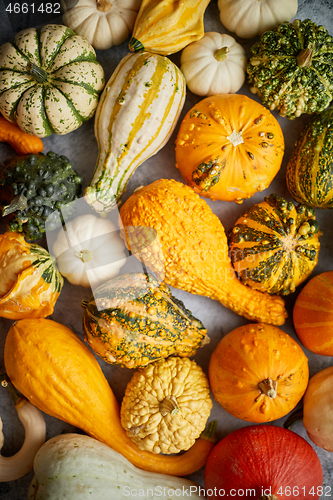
[[229, 147], [103, 23], [30, 282], [133, 320], [50, 80], [215, 64], [274, 245], [258, 373], [313, 314], [166, 405]]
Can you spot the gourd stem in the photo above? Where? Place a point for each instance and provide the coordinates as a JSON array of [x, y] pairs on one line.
[[268, 387], [169, 405], [304, 58], [39, 74], [19, 202], [5, 382], [221, 54], [209, 432], [268, 497], [84, 255], [296, 416], [103, 5]]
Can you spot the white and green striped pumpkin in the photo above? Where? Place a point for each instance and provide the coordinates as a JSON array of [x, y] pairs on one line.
[[50, 80], [135, 117]]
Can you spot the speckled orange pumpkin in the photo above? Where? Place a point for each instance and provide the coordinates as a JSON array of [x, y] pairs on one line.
[[258, 373]]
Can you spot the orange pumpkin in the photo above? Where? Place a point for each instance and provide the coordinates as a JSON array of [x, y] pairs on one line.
[[229, 147], [258, 373], [313, 314]]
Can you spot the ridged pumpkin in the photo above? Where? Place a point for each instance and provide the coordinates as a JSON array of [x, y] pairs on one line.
[[310, 167], [135, 118], [313, 314], [50, 80], [258, 373], [274, 245], [134, 320], [30, 282], [175, 233], [57, 372], [229, 147], [165, 27]]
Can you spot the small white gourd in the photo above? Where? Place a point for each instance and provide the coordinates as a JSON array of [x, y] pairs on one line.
[[250, 18], [215, 64], [103, 23]]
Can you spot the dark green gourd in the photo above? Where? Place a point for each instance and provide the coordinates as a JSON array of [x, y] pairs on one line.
[[35, 186], [291, 68], [310, 168], [133, 320]]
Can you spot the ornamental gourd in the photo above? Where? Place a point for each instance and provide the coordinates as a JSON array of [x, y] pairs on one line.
[[290, 68], [89, 250], [229, 147], [57, 372], [50, 80], [258, 373], [313, 314], [133, 320], [250, 18], [103, 23], [265, 461], [165, 27], [33, 189], [310, 167], [166, 405], [30, 282], [22, 142], [80, 467], [274, 245], [215, 64], [135, 118], [190, 249]]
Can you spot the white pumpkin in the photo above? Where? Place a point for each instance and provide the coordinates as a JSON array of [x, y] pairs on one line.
[[215, 64], [89, 251], [103, 23], [250, 18]]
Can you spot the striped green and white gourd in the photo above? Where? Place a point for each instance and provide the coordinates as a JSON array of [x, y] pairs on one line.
[[135, 118], [133, 320], [50, 80], [310, 168], [274, 245]]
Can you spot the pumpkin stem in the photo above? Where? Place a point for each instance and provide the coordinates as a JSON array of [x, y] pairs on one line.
[[268, 497], [84, 255], [304, 58], [295, 417], [19, 202], [221, 54], [103, 5], [169, 405], [268, 387], [39, 74], [235, 138], [209, 432]]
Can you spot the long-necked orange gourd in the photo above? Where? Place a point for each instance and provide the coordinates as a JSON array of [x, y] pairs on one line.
[[57, 372], [175, 233]]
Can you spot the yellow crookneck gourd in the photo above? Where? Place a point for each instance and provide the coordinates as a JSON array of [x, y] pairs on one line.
[[175, 233], [166, 27]]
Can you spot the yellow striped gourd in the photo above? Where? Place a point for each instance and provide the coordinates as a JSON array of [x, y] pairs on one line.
[[135, 117]]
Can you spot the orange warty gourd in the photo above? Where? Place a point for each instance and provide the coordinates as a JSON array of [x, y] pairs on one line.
[[313, 314], [175, 233], [229, 147], [57, 372], [258, 373]]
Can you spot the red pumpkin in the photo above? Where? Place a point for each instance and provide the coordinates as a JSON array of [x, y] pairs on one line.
[[263, 462]]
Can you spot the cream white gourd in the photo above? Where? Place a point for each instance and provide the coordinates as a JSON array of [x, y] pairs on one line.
[[250, 18], [215, 64], [136, 116], [81, 468], [89, 251], [103, 23]]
